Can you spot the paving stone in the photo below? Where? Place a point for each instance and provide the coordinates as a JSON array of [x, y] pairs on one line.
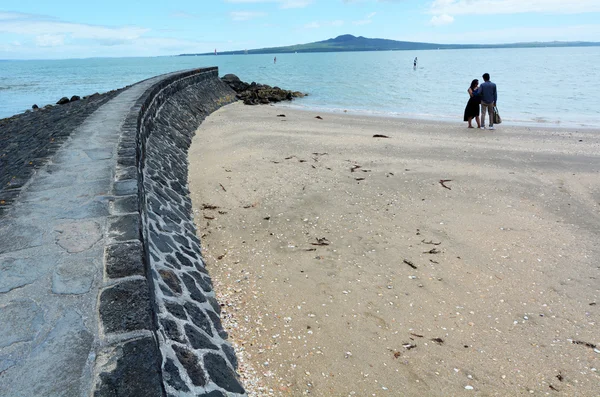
[[99, 154], [126, 307], [73, 278], [20, 321], [17, 272], [65, 350], [15, 237], [96, 208], [130, 370], [6, 364], [124, 260], [221, 373], [78, 236]]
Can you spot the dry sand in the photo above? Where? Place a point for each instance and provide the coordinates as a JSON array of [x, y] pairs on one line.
[[319, 225]]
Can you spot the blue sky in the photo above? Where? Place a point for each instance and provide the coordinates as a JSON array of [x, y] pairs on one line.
[[74, 29]]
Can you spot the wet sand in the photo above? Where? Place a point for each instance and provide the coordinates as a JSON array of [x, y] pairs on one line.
[[345, 268]]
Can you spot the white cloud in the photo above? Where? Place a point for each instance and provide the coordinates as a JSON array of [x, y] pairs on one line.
[[49, 40], [32, 25], [444, 19], [589, 32], [246, 15], [42, 37], [477, 7]]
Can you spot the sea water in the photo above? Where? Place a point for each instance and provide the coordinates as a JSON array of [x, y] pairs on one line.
[[536, 86]]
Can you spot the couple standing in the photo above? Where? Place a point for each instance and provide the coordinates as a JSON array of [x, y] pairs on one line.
[[484, 94]]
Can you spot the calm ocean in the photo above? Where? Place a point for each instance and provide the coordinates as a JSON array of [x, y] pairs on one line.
[[540, 86]]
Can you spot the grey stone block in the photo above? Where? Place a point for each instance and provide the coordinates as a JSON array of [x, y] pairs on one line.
[[190, 362], [126, 307], [198, 317], [124, 260], [124, 227], [172, 376], [221, 373], [125, 205], [124, 173], [171, 280], [127, 161], [125, 187], [129, 370], [197, 340]]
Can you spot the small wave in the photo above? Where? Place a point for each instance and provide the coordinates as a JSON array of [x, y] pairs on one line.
[[17, 87]]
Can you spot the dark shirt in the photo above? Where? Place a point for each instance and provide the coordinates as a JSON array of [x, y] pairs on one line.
[[476, 96], [488, 92]]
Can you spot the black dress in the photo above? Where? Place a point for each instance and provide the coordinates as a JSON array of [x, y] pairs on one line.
[[472, 108]]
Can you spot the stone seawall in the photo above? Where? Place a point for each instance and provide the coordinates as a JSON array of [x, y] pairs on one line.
[[129, 277], [193, 357]]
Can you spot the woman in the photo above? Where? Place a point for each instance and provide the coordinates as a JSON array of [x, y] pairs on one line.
[[472, 108]]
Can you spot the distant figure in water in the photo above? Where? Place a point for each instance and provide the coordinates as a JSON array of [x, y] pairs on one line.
[[275, 60], [415, 63]]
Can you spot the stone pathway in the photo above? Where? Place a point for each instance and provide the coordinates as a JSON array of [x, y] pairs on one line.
[[51, 261]]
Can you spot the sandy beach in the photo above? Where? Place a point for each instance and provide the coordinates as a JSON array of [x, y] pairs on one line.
[[435, 261]]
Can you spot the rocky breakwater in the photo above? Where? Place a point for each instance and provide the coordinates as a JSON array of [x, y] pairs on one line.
[[29, 139], [259, 94]]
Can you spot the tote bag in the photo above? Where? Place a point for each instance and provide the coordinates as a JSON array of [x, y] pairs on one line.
[[497, 118]]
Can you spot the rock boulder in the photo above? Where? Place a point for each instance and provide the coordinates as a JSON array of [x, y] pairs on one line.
[[255, 94]]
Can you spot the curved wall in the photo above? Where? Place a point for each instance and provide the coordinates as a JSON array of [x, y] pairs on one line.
[[160, 311]]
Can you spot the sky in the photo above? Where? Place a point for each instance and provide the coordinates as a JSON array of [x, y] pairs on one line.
[[58, 29]]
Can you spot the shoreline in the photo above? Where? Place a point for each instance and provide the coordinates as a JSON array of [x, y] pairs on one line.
[[447, 119], [344, 266]]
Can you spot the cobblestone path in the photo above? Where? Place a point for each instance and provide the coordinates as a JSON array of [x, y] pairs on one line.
[[51, 261]]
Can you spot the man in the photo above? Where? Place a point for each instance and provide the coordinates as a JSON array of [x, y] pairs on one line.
[[489, 97]]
